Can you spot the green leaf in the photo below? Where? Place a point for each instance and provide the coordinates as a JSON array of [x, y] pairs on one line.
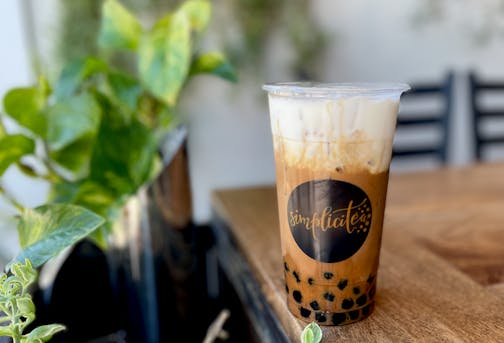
[[26, 307], [24, 271], [92, 195], [162, 22], [75, 158], [117, 169], [198, 12], [119, 28], [11, 287], [141, 156], [6, 331], [126, 164], [47, 230], [24, 106], [72, 119], [307, 336], [72, 128], [166, 121], [74, 73], [213, 63], [12, 148], [95, 196], [311, 333], [63, 192], [125, 89], [164, 58], [43, 333], [114, 112], [317, 332]]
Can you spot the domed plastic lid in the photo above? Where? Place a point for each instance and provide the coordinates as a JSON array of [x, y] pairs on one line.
[[335, 90]]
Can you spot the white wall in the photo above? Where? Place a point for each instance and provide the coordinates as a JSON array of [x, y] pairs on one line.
[[230, 142], [14, 71], [14, 66]]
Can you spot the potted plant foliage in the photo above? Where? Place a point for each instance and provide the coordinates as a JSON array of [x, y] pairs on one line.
[[108, 139], [43, 232]]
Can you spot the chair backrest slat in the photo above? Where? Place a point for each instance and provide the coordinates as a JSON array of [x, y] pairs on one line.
[[477, 89], [428, 118]]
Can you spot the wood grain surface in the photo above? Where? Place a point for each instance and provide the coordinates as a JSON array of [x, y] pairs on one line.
[[441, 274]]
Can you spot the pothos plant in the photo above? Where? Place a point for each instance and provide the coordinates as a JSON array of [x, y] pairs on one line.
[[96, 130], [94, 136]]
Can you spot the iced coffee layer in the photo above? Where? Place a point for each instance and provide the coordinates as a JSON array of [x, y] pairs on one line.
[[330, 293], [354, 133]]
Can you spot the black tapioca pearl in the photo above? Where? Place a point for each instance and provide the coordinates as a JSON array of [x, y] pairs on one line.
[[370, 279], [356, 290], [365, 310], [286, 267], [338, 318], [328, 275], [342, 284], [287, 288], [361, 300], [296, 276], [372, 292], [320, 317], [347, 304], [314, 305], [310, 281], [353, 314], [304, 312], [328, 296], [297, 296]]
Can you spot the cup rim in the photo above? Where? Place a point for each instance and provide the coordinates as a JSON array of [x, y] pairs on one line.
[[320, 89]]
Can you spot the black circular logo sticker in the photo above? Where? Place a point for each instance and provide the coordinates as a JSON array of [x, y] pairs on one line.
[[329, 219]]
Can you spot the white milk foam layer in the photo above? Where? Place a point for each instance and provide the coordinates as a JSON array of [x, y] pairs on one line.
[[353, 132]]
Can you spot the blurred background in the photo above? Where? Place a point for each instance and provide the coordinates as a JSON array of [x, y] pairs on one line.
[[325, 40]]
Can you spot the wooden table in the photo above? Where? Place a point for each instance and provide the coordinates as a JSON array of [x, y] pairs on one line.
[[441, 274]]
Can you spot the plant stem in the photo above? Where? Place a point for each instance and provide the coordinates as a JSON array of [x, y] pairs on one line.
[[2, 128], [11, 199], [52, 175], [16, 334]]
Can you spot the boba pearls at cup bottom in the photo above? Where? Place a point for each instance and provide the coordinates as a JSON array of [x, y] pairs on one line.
[[328, 298], [332, 318]]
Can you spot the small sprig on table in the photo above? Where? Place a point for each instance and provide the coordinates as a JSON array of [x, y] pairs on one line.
[[312, 333]]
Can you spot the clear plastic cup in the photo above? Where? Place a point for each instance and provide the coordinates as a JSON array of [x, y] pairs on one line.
[[333, 145]]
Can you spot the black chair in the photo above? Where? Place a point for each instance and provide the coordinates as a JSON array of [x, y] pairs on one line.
[[418, 120], [483, 115]]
